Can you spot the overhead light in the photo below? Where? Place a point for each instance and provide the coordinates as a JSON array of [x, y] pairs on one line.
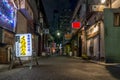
[[58, 33], [103, 1]]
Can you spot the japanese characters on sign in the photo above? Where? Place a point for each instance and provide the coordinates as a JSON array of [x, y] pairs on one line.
[[23, 45]]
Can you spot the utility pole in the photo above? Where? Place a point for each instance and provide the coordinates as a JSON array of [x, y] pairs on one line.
[[86, 4], [110, 1]]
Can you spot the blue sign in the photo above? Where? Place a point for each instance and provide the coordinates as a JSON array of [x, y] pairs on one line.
[[7, 15]]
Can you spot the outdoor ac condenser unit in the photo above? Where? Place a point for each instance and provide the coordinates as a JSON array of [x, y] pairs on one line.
[[99, 8]]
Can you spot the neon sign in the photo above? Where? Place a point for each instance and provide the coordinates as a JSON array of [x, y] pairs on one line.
[[7, 14], [76, 25]]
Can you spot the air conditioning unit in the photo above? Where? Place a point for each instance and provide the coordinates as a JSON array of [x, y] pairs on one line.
[[99, 8], [95, 7]]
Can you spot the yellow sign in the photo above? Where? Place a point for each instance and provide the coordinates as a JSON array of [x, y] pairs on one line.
[[23, 45]]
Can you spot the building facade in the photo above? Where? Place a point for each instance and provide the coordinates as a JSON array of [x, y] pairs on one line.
[[8, 14], [24, 17], [95, 25]]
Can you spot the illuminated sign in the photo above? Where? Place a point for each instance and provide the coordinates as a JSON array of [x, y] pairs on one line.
[[46, 31], [76, 25], [23, 45], [68, 36], [8, 14]]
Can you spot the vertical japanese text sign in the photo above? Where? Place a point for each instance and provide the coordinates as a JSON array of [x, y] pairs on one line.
[[23, 45]]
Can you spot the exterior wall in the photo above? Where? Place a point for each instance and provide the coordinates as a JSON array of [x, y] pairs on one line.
[[98, 44], [84, 42], [75, 46], [21, 23], [103, 40], [41, 19], [28, 8], [3, 55], [96, 47], [93, 42], [102, 44], [111, 36], [36, 44], [80, 44], [8, 40], [33, 9], [25, 17], [88, 45], [25, 22], [41, 33], [37, 36], [116, 4], [6, 37]]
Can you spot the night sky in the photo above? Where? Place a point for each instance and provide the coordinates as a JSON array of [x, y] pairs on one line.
[[59, 8], [51, 5]]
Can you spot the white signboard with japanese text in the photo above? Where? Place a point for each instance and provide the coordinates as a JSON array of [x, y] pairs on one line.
[[23, 45], [46, 31]]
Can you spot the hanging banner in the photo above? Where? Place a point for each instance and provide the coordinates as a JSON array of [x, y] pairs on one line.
[[23, 45]]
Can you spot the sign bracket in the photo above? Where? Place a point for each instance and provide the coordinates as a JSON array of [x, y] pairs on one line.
[[23, 48]]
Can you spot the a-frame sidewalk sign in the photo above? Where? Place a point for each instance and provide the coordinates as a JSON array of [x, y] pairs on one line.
[[23, 48]]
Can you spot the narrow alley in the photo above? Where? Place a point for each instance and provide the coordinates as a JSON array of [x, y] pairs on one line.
[[68, 39], [62, 68]]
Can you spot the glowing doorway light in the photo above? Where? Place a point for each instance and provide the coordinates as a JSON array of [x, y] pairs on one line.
[[58, 33], [103, 1]]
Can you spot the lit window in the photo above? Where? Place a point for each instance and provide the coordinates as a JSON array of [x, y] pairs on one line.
[[116, 19]]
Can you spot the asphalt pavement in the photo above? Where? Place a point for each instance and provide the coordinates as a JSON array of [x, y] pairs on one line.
[[62, 68]]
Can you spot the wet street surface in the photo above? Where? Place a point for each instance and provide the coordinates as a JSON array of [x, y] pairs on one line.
[[62, 68]]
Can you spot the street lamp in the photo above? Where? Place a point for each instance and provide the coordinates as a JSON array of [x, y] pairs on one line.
[[58, 33], [58, 36]]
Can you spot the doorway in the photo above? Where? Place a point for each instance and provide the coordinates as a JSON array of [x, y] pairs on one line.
[[80, 47]]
